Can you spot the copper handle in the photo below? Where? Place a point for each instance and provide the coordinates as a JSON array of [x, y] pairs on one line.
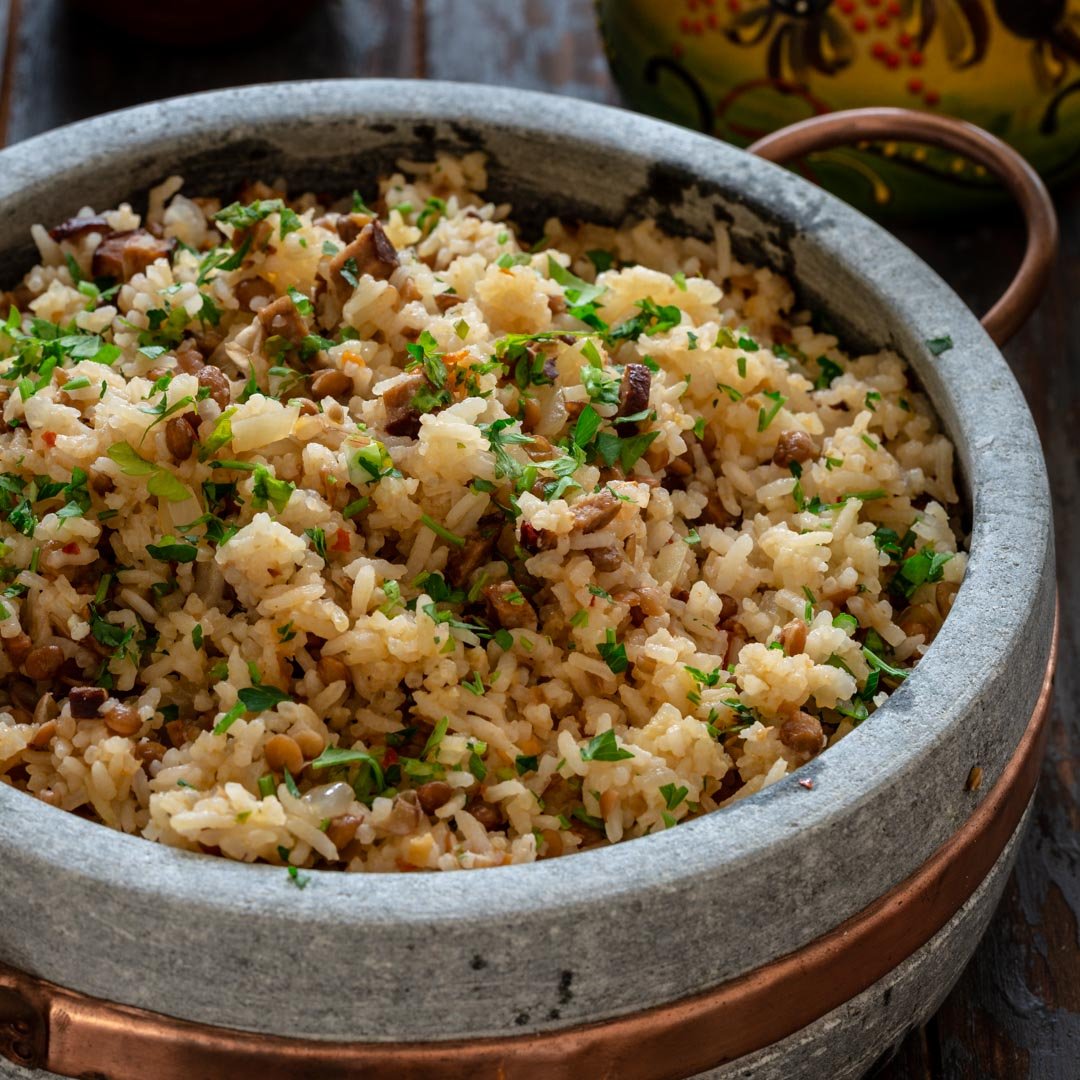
[[854, 125]]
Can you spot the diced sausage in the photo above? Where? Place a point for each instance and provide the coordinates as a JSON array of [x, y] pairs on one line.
[[633, 396], [401, 417], [282, 318], [534, 539], [86, 700], [123, 255], [349, 226], [370, 253], [509, 607], [464, 562], [607, 558], [79, 226], [793, 446], [594, 511]]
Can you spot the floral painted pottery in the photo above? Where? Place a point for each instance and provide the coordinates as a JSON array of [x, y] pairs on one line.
[[739, 69]]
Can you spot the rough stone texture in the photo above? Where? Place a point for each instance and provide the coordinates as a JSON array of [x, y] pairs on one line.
[[421, 957]]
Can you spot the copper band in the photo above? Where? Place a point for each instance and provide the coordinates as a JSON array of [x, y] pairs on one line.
[[855, 125], [46, 1026]]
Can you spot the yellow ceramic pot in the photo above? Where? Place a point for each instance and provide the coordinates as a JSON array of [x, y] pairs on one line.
[[741, 68]]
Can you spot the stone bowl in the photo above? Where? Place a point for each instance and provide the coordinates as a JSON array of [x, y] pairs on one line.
[[801, 932]]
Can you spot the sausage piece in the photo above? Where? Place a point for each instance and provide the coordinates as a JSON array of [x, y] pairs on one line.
[[282, 318], [370, 253], [86, 700], [401, 416], [79, 226], [633, 396], [594, 511], [464, 562], [123, 255], [508, 606]]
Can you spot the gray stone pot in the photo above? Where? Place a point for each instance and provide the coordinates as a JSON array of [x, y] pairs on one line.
[[608, 933]]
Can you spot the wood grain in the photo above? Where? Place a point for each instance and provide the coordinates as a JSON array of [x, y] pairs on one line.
[[533, 44], [67, 65], [1016, 1011]]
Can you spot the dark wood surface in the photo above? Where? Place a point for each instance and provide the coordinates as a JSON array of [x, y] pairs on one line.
[[1016, 1010]]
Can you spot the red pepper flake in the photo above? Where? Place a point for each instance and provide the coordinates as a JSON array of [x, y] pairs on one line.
[[905, 38], [932, 97], [808, 784], [860, 23], [390, 757], [892, 61], [915, 86], [881, 18], [342, 542], [49, 438], [915, 59], [879, 50], [70, 549]]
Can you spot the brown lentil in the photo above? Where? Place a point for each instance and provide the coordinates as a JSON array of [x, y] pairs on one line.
[[793, 637], [486, 815], [46, 708], [17, 647], [311, 744], [43, 662], [124, 720], [331, 383], [331, 670], [945, 596], [342, 830], [433, 795], [214, 378], [179, 438], [283, 752], [802, 733], [793, 446], [919, 619], [43, 736]]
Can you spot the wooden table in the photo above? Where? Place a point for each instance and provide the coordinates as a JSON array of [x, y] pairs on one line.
[[1016, 1010]]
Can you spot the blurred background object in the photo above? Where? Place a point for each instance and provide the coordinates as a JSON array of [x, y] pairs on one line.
[[741, 68], [195, 21], [1016, 1011]]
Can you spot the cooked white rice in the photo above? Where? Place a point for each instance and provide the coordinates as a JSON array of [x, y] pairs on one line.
[[533, 628]]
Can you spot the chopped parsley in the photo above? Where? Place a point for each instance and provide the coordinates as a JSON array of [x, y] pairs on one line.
[[613, 653], [604, 748]]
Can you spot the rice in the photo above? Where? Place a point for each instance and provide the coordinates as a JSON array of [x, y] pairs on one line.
[[381, 540]]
